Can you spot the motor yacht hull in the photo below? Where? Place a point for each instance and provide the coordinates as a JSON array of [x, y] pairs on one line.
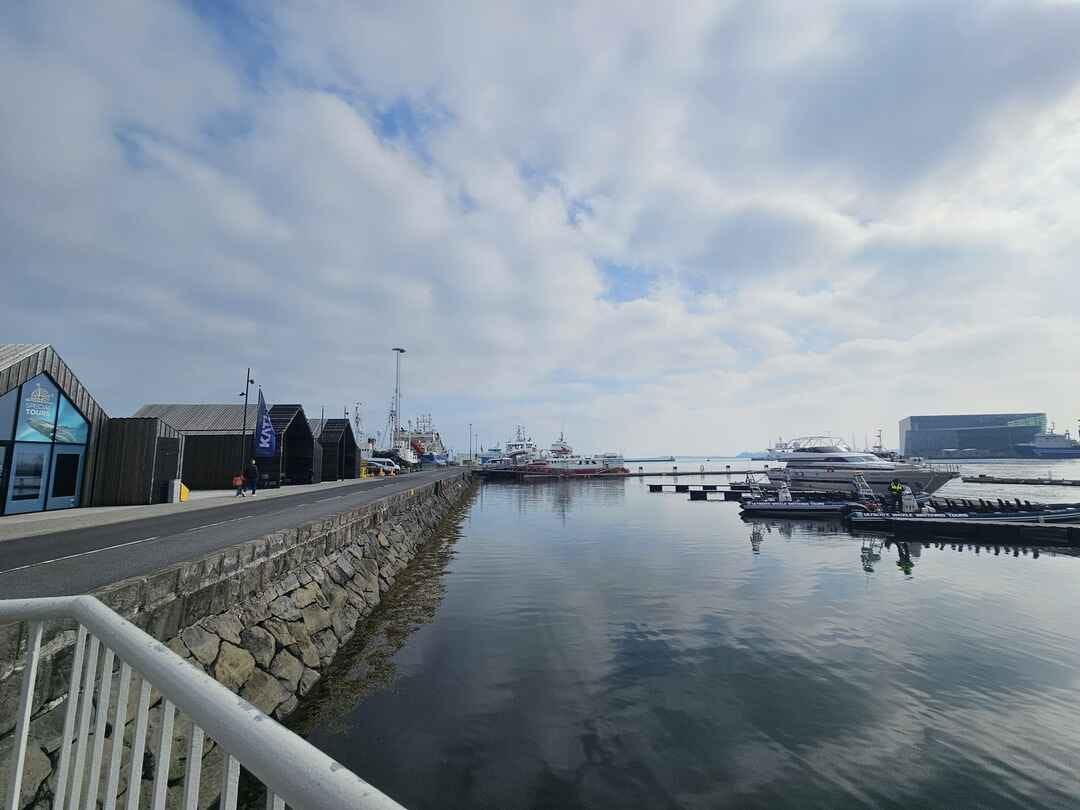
[[833, 479]]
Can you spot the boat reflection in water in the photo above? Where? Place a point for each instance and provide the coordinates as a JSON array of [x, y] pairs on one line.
[[558, 495], [874, 546]]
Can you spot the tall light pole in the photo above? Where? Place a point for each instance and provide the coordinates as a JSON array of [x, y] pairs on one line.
[[397, 394], [248, 382], [470, 443]]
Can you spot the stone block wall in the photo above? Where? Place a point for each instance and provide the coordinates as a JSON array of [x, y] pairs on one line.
[[264, 618]]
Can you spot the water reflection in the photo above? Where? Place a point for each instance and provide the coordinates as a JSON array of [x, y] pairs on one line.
[[593, 647], [366, 664], [756, 536], [870, 553], [558, 495]]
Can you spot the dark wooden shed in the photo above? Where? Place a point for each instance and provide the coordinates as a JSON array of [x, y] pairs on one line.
[[218, 442], [137, 461], [296, 460], [340, 455], [215, 436]]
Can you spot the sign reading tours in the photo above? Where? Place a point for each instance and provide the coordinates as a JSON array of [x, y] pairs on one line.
[[265, 438], [38, 417]]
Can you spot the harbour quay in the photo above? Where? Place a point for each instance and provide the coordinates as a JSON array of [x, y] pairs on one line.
[[60, 450], [263, 611]]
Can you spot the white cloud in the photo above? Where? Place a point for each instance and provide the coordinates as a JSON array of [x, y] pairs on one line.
[[848, 217]]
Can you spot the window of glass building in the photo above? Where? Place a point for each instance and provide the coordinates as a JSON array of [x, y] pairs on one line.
[[37, 410], [71, 428], [7, 413]]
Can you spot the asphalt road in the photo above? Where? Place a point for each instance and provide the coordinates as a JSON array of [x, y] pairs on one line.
[[80, 560]]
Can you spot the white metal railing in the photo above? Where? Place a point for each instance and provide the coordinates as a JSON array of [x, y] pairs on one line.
[[293, 771]]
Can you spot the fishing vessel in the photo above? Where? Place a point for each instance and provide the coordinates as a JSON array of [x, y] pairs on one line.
[[832, 466], [398, 442], [1050, 445], [560, 448], [426, 441], [607, 465], [521, 449], [489, 454]]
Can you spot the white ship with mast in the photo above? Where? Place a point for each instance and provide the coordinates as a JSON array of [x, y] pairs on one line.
[[426, 441], [397, 442]]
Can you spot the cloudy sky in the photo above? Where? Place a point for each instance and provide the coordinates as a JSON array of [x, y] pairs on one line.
[[685, 227]]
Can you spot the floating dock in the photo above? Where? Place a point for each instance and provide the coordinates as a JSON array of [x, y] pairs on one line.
[[1039, 482], [712, 492]]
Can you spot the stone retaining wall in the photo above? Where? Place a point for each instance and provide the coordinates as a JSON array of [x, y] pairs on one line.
[[264, 618]]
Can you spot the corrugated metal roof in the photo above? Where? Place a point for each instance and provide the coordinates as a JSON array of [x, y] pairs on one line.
[[333, 429], [12, 353], [219, 419], [317, 426], [281, 416]]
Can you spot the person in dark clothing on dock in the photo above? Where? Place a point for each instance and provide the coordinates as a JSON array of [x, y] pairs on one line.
[[896, 489], [251, 474]]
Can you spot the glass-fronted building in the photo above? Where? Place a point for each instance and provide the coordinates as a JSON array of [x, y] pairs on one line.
[[48, 424], [993, 435], [45, 435]]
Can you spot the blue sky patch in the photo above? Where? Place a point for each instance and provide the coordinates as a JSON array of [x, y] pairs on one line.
[[247, 37], [625, 282]]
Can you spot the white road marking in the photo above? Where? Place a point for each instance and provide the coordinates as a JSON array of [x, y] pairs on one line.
[[155, 537], [80, 554]]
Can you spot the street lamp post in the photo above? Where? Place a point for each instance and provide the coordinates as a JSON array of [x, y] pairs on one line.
[[248, 382], [397, 394]]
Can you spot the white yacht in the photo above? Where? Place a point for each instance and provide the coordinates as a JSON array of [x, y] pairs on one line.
[[833, 467]]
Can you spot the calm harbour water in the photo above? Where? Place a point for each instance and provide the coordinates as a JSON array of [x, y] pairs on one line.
[[591, 645]]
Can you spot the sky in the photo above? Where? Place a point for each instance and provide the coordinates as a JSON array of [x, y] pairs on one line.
[[679, 228]]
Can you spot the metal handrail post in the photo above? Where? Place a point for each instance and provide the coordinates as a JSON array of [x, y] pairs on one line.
[[290, 767]]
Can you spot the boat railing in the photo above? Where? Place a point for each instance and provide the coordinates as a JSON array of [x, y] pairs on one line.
[[942, 468], [111, 653]]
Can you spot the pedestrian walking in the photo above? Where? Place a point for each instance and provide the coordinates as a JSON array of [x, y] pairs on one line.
[[238, 482], [252, 475]]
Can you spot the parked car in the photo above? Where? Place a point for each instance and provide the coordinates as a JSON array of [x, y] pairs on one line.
[[386, 465]]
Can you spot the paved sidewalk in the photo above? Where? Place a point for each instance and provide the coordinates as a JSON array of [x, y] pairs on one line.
[[37, 523]]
